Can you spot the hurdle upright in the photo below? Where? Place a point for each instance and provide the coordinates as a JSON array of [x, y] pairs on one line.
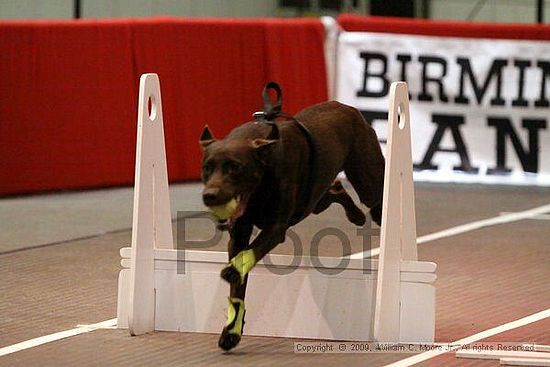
[[393, 300]]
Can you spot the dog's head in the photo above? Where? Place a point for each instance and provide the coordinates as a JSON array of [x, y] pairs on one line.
[[233, 167]]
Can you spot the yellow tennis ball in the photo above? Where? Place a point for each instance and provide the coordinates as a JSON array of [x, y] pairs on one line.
[[223, 212]]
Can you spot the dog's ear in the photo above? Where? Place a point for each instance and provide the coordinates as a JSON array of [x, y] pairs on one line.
[[206, 137], [263, 149], [261, 144]]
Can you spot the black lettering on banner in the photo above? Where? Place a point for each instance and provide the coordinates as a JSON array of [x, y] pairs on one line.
[[445, 122], [372, 116], [367, 74], [427, 60], [545, 68], [496, 70], [529, 158], [404, 59], [521, 65]]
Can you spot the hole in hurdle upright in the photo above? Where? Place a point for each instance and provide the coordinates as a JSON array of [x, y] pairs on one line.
[[393, 301]]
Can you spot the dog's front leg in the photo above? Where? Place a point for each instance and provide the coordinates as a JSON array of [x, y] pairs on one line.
[[271, 235], [268, 238], [240, 265], [232, 332], [242, 259]]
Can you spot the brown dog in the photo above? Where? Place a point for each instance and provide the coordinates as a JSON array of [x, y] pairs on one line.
[[268, 172]]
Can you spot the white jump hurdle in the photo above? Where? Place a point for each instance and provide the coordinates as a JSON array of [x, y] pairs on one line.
[[393, 300]]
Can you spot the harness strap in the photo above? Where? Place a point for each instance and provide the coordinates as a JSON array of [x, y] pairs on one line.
[[273, 110]]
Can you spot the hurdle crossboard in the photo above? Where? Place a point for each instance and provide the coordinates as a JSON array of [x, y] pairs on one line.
[[162, 288]]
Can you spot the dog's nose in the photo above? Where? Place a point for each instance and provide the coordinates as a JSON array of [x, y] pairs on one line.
[[210, 196]]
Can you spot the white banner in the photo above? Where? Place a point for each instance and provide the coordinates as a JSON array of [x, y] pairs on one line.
[[479, 107]]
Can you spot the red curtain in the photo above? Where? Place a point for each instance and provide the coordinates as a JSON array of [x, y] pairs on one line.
[[357, 23], [68, 91]]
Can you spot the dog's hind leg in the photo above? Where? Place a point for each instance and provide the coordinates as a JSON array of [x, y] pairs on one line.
[[337, 194], [364, 167], [232, 332]]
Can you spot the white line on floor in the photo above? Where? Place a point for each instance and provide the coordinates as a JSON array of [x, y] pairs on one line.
[[471, 339], [537, 217], [506, 218], [501, 219], [56, 336], [539, 347], [99, 326]]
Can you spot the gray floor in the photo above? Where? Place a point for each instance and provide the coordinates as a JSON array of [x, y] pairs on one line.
[[37, 220], [486, 277]]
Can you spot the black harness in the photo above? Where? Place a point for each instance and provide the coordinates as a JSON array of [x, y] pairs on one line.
[[271, 112]]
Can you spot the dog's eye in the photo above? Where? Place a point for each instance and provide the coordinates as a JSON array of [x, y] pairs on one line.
[[232, 167], [207, 168]]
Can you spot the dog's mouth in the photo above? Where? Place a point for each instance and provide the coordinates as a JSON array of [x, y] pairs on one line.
[[228, 213]]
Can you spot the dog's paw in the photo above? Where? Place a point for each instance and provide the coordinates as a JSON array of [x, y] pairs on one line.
[[356, 216], [231, 334], [239, 266], [231, 275], [227, 340], [376, 214]]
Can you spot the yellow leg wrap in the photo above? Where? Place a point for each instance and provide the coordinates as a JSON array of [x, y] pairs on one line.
[[244, 262], [235, 316]]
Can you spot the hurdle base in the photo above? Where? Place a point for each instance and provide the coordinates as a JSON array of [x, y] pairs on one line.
[[191, 297]]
